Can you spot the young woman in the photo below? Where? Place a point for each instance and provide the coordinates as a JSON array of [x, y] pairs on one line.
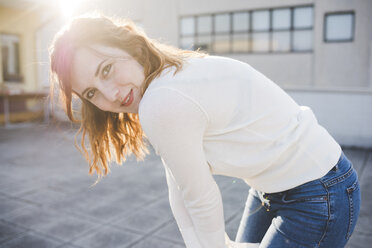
[[207, 115]]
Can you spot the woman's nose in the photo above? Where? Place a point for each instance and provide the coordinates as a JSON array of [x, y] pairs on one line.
[[112, 94]]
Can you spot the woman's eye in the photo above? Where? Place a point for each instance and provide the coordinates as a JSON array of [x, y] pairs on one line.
[[90, 94], [106, 70]]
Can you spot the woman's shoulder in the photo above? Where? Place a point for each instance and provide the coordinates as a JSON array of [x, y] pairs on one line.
[[167, 109], [167, 99], [196, 69]]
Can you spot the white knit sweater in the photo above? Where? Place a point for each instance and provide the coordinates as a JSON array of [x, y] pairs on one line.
[[221, 116]]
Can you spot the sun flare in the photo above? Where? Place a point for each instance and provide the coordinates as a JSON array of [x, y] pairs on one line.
[[68, 7]]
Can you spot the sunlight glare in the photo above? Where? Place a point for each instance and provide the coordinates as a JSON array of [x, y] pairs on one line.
[[68, 7]]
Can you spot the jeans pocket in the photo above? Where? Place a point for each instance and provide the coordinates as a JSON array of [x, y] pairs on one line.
[[313, 198], [312, 191], [353, 193]]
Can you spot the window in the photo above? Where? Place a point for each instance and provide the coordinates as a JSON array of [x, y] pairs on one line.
[[222, 29], [204, 33], [187, 29], [261, 20], [339, 27], [303, 29], [260, 31], [240, 29], [241, 22], [303, 17], [288, 29], [281, 19], [281, 35], [188, 26], [10, 58]]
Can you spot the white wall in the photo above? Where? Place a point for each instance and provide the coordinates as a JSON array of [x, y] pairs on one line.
[[291, 69], [370, 63], [344, 63], [346, 114]]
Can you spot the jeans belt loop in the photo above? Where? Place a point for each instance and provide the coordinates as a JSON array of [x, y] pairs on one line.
[[335, 168]]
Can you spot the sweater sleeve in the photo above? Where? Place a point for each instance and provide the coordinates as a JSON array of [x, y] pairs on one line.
[[174, 124], [180, 212]]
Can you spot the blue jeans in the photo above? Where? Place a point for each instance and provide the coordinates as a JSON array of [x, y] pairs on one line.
[[320, 213]]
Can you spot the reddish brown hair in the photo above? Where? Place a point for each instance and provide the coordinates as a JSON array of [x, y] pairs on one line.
[[108, 133]]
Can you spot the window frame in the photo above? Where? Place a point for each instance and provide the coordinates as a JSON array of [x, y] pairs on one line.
[[335, 13], [18, 76], [250, 31]]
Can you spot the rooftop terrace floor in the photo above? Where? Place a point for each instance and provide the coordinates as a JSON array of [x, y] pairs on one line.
[[46, 199]]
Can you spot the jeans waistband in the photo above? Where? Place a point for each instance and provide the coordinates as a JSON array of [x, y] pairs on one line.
[[335, 168], [264, 199]]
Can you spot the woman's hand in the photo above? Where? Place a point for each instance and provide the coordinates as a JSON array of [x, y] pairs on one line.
[[233, 244]]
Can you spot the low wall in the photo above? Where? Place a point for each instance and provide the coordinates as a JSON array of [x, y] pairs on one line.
[[345, 113]]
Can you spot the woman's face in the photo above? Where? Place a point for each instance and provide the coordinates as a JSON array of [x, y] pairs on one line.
[[108, 77]]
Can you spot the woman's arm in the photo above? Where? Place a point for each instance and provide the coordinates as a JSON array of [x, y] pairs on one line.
[[175, 125], [180, 213]]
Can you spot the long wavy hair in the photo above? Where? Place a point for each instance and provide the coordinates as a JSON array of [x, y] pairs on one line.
[[110, 134]]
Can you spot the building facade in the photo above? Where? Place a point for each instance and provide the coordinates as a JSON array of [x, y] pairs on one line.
[[319, 51]]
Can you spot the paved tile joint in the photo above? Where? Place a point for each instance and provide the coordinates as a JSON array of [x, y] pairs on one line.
[[47, 198]]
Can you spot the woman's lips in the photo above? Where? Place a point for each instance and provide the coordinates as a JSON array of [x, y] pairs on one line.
[[130, 96]]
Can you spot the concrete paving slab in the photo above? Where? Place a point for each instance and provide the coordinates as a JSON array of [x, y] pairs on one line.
[[161, 206], [107, 236], [31, 240], [144, 222], [18, 188], [93, 209], [234, 198], [231, 226], [33, 217], [9, 173], [119, 204], [366, 188], [358, 240], [357, 157], [65, 228], [8, 232], [147, 219], [364, 225], [224, 182], [109, 212], [69, 246], [77, 182], [157, 243], [43, 197], [169, 232], [10, 204]]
